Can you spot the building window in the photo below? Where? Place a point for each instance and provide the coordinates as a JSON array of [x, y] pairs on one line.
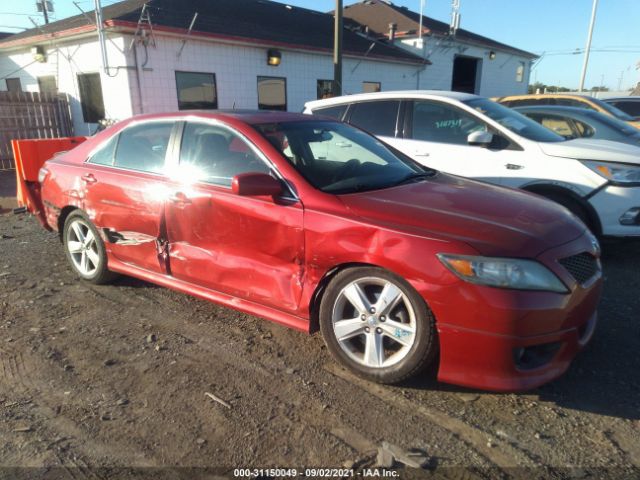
[[325, 89], [196, 90], [371, 87], [520, 72], [13, 85], [47, 84], [91, 97], [272, 93]]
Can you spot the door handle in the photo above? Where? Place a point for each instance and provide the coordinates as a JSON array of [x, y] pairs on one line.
[[89, 178], [180, 199], [511, 166], [421, 153]]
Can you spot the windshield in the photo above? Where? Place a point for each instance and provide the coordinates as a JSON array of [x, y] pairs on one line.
[[619, 125], [616, 112], [337, 158], [514, 121]]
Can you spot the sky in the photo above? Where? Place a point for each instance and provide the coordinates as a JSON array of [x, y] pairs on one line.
[[551, 28]]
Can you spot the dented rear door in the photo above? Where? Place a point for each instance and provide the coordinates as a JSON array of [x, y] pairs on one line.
[[125, 189]]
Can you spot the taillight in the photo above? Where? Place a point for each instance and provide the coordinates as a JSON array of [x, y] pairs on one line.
[[42, 174]]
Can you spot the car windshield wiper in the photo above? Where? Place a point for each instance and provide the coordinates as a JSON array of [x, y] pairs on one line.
[[414, 177]]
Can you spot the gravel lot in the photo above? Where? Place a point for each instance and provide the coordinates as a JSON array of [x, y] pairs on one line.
[[97, 379]]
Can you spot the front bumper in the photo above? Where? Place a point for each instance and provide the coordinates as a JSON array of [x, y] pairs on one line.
[[615, 205], [493, 365], [509, 340]]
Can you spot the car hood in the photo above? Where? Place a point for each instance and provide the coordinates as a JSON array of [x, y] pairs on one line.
[[496, 221], [585, 149]]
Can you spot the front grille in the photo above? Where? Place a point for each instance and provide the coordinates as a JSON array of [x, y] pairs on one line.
[[582, 266]]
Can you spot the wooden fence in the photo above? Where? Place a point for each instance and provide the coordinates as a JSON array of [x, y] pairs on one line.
[[31, 115]]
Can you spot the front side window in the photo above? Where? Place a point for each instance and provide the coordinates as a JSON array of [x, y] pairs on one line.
[[90, 88], [196, 91], [560, 125], [337, 158], [371, 87], [214, 154], [442, 123], [377, 117], [272, 93], [514, 121], [143, 147]]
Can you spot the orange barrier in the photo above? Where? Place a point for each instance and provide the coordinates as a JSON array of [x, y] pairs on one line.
[[29, 156]]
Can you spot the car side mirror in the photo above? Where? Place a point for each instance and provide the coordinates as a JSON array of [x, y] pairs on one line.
[[480, 138], [254, 184]]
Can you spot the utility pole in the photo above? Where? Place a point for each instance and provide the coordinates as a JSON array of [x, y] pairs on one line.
[[587, 50], [337, 50], [100, 28], [43, 5]]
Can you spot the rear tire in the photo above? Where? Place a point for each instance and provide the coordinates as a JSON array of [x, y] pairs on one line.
[[85, 249], [375, 324]]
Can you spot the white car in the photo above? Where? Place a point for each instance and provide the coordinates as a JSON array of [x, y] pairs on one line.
[[471, 136]]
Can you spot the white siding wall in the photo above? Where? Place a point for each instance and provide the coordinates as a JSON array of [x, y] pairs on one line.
[[237, 68], [66, 61], [497, 78]]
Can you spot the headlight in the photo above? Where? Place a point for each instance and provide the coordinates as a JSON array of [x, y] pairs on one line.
[[615, 172], [503, 272], [42, 174]]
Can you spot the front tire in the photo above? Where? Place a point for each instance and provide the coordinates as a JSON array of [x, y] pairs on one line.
[[375, 324], [85, 249]]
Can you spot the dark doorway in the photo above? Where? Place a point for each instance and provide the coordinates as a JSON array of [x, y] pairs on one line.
[[465, 74]]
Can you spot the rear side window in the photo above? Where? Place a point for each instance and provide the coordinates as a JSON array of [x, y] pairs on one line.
[[378, 118], [630, 107], [104, 156], [143, 147], [336, 112]]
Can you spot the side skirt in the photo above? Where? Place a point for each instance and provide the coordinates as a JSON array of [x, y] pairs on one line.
[[252, 308]]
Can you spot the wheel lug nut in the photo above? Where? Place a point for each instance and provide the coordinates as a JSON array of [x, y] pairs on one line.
[[382, 318], [366, 329], [378, 331], [372, 310], [363, 317]]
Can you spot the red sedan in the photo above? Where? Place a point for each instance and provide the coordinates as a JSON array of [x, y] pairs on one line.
[[314, 224]]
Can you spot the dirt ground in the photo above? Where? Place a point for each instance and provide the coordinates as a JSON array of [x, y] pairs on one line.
[[109, 382]]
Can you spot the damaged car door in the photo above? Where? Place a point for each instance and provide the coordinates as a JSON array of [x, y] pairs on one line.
[[124, 190], [250, 246]]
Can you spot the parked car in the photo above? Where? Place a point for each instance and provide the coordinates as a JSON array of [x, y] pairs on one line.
[[568, 100], [311, 222], [629, 105], [471, 136], [571, 122]]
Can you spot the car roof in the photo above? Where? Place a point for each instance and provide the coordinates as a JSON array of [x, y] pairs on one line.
[[247, 116], [397, 94], [633, 98], [559, 109], [547, 95]]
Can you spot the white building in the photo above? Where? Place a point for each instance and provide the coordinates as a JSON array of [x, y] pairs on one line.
[[462, 61], [155, 64]]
